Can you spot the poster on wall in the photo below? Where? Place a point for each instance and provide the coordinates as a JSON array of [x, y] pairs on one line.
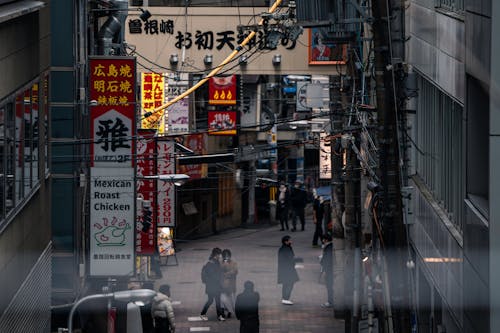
[[323, 50], [112, 117], [178, 113], [112, 221]]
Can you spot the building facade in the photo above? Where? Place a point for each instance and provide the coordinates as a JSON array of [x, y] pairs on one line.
[[25, 229], [450, 53]]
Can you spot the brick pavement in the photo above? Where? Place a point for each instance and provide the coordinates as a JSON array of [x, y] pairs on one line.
[[255, 250]]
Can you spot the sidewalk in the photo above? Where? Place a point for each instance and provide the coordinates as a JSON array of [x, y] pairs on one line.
[[255, 250]]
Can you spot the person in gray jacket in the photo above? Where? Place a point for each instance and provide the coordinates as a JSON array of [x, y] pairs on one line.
[[162, 311]]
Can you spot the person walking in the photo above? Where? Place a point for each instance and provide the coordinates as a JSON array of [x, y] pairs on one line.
[[318, 213], [211, 276], [162, 311], [229, 271], [283, 204], [287, 274], [298, 198], [247, 309], [327, 268]]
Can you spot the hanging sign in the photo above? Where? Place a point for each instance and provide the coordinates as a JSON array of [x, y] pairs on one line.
[[112, 92], [222, 122], [222, 90]]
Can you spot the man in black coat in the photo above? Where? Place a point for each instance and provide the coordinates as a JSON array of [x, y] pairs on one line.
[[327, 267], [212, 278], [298, 200], [247, 309], [287, 275]]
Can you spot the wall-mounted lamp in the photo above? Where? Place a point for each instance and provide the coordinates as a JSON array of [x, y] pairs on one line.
[[243, 60], [208, 59], [145, 15], [277, 59], [174, 59]]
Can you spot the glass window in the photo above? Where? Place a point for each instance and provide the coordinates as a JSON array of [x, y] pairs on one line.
[[18, 154], [45, 108], [27, 141], [211, 3], [10, 157], [35, 106], [2, 162]]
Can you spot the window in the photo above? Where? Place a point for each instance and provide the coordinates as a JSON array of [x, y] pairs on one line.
[[451, 5], [440, 141], [212, 3], [19, 146]]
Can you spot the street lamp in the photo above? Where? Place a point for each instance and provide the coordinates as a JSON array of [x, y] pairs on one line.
[[177, 178], [137, 295]]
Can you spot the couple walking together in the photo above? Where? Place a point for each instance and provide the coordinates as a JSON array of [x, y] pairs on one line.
[[219, 277]]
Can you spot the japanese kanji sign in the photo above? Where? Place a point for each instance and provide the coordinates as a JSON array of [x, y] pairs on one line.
[[222, 122], [166, 190], [153, 96], [146, 188], [112, 90], [325, 163], [222, 90]]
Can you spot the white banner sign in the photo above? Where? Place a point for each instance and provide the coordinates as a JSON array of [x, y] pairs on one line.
[[111, 230], [325, 161]]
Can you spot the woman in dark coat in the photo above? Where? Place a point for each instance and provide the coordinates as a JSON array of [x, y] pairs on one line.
[[287, 275]]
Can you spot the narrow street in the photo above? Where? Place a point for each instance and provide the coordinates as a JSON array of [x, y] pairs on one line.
[[255, 250]]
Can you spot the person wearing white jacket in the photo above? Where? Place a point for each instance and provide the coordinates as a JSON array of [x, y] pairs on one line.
[[162, 311]]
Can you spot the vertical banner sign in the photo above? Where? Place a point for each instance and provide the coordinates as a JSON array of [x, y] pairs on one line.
[[197, 143], [146, 188], [178, 113], [166, 190], [112, 87], [112, 217], [112, 191], [222, 122], [222, 90], [325, 162], [153, 96]]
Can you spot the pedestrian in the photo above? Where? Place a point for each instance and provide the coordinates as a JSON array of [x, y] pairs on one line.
[[146, 311], [247, 309], [229, 271], [283, 204], [287, 274], [298, 198], [318, 213], [327, 268], [162, 311], [211, 276]]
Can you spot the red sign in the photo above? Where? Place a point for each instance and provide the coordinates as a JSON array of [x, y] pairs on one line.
[[222, 90], [112, 90], [166, 190], [222, 122], [197, 143], [146, 188]]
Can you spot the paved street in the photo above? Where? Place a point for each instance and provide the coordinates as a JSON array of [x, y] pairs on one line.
[[255, 250]]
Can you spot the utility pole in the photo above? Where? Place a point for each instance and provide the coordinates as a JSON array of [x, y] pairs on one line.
[[350, 142], [387, 37]]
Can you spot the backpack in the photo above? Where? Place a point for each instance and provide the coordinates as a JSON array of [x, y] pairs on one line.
[[205, 273]]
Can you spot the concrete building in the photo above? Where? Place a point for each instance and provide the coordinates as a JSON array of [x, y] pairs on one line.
[[25, 228], [451, 51]]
